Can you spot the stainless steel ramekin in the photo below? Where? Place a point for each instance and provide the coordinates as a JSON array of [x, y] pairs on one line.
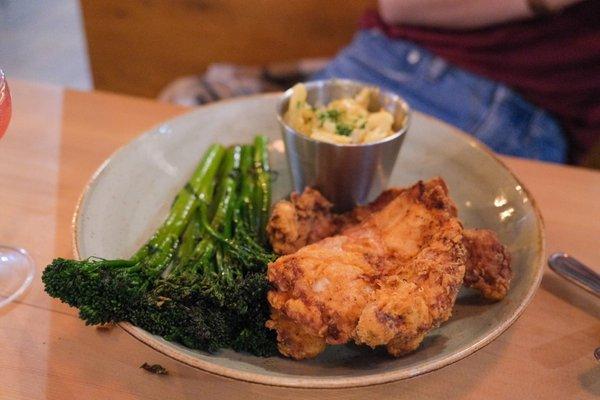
[[347, 174]]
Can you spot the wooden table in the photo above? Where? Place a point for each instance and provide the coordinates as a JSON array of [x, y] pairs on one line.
[[58, 137]]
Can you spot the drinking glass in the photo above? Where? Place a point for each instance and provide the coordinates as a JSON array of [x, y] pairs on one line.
[[16, 266]]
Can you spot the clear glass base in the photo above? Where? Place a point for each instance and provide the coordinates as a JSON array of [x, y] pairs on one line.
[[16, 273]]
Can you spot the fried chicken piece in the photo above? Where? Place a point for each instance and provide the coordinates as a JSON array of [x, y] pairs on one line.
[[294, 339], [488, 263], [385, 281], [307, 218], [304, 219], [359, 213]]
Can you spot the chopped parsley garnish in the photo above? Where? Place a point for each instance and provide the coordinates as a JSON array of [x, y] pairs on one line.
[[332, 115], [343, 129]]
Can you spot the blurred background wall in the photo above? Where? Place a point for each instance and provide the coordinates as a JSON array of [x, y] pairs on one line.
[[139, 46], [43, 41]]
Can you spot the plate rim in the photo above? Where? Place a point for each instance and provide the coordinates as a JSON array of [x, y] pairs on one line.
[[301, 381]]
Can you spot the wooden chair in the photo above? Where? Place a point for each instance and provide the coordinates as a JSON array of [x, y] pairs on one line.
[[139, 46]]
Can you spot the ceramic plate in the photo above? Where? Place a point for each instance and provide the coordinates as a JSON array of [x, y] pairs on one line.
[[130, 194]]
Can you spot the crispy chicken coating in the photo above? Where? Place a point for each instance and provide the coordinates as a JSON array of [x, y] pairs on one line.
[[304, 219], [488, 261], [385, 279]]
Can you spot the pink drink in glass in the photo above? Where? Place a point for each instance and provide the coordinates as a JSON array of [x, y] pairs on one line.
[[5, 104], [16, 266]]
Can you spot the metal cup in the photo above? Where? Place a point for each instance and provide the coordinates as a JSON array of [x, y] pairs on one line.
[[346, 174]]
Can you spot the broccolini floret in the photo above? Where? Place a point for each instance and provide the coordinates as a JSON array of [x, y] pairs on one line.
[[201, 279]]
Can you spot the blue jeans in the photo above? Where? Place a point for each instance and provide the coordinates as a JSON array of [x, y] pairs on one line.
[[488, 110]]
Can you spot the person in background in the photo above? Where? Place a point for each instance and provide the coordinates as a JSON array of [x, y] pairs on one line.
[[523, 76]]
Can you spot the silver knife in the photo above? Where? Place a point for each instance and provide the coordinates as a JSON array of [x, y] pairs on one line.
[[576, 272]]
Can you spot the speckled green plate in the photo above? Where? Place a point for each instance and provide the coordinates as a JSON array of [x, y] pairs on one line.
[[129, 196]]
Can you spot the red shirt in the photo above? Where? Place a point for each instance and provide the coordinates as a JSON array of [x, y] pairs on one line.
[[552, 61]]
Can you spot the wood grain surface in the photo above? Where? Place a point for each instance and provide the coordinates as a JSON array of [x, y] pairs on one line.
[[58, 138]]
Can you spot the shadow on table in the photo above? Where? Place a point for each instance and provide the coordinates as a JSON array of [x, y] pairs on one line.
[[571, 294], [85, 362], [590, 380]]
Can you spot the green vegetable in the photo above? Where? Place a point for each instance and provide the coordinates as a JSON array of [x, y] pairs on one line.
[[200, 280], [245, 210], [198, 189], [104, 290], [343, 129], [331, 114], [262, 188], [190, 238]]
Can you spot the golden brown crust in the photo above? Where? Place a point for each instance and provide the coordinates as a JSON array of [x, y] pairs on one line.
[[304, 219], [295, 341], [488, 263], [384, 281]]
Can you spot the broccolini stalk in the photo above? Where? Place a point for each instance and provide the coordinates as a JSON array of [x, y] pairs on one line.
[[246, 245], [246, 231], [199, 188], [189, 304], [190, 238], [207, 249], [245, 210], [208, 310], [223, 220], [214, 296], [105, 290], [262, 189]]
